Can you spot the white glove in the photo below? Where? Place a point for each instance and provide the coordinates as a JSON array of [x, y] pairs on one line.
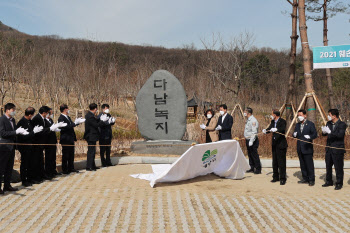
[[273, 130], [111, 120], [218, 127], [58, 130], [307, 136], [264, 131], [61, 124], [295, 134], [326, 130], [202, 126], [54, 127], [38, 129], [104, 117], [22, 131], [251, 142], [79, 121]]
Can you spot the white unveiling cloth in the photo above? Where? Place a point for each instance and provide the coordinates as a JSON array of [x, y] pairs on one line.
[[223, 158]]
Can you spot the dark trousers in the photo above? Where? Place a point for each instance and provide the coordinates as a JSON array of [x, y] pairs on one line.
[[105, 149], [37, 163], [338, 161], [254, 160], [90, 162], [67, 158], [307, 166], [50, 160], [25, 168], [279, 163], [7, 159]]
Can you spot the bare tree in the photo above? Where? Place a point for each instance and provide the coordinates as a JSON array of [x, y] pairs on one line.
[[329, 9], [306, 60]]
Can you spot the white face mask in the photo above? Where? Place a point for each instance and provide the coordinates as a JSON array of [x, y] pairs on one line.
[[209, 116], [222, 113], [107, 111], [301, 118], [245, 114], [329, 117], [272, 117], [68, 112], [13, 113], [47, 116]]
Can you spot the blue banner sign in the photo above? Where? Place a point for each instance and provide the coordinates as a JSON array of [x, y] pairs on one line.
[[331, 57]]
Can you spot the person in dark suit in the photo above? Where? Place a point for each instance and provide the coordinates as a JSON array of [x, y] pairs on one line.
[[335, 131], [8, 132], [305, 130], [68, 138], [41, 138], [26, 150], [106, 137], [92, 134], [50, 151], [279, 147], [225, 123]]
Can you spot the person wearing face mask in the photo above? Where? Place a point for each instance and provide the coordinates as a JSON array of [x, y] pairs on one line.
[[305, 130], [211, 135], [50, 151], [92, 134], [335, 131], [41, 138], [68, 139], [26, 170], [279, 147], [8, 132], [224, 124], [252, 141], [106, 137]]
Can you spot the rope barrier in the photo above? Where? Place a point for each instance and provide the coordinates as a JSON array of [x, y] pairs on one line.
[[236, 138]]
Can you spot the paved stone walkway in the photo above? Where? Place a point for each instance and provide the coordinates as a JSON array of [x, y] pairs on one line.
[[109, 200]]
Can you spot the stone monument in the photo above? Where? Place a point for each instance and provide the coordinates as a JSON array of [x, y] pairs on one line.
[[161, 106]]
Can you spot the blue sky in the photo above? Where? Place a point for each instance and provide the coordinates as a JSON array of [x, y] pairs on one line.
[[165, 23]]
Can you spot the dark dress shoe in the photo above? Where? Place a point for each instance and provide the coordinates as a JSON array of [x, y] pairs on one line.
[[10, 189], [47, 177], [90, 169], [311, 183], [96, 168], [73, 170], [250, 171], [257, 172], [274, 180], [303, 182], [283, 182], [338, 187], [26, 184], [66, 172], [2, 192], [58, 173], [327, 184], [36, 181]]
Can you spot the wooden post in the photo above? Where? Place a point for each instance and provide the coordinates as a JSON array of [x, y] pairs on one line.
[[295, 116]]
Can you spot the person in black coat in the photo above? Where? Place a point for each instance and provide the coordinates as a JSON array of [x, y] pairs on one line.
[[92, 134], [335, 131], [279, 147], [50, 151], [225, 123], [305, 130], [67, 139], [106, 137], [41, 138], [8, 132], [26, 150]]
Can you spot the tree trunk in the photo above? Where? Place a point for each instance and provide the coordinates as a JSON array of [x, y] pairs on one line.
[[293, 52], [311, 109], [325, 43]]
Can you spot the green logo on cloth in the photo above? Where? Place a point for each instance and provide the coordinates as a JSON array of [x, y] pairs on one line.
[[209, 157]]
